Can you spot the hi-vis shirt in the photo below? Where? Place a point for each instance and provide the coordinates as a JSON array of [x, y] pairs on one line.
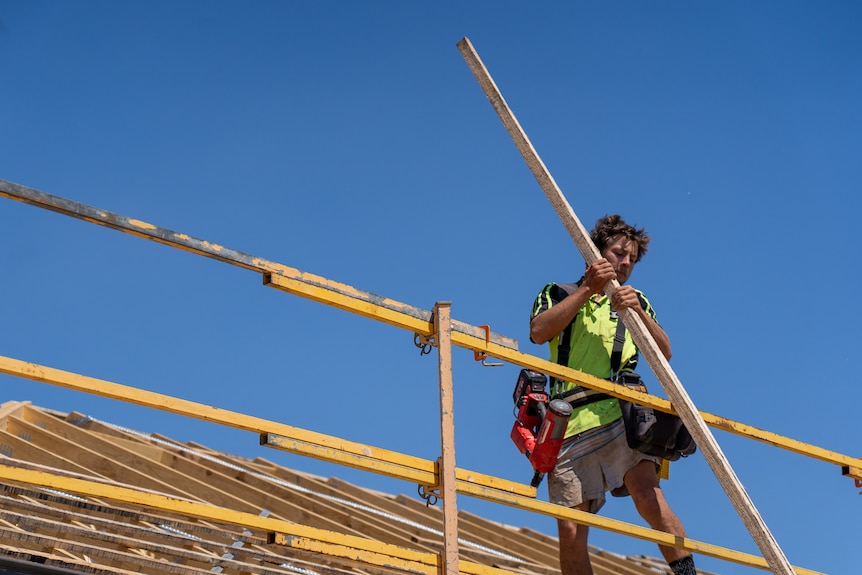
[[590, 340]]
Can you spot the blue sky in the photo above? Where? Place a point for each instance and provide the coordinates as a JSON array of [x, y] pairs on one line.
[[350, 140]]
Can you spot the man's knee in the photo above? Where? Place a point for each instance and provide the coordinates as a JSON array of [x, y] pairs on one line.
[[568, 528], [573, 533], [645, 492], [641, 480]]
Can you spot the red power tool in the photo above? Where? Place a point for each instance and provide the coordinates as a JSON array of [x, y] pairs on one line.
[[539, 424]]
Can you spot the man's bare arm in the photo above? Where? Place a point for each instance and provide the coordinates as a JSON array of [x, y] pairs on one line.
[[549, 323], [626, 297]]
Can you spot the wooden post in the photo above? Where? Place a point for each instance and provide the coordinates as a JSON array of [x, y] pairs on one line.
[[446, 467], [661, 368]]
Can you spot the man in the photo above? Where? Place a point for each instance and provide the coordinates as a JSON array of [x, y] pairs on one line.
[[579, 323]]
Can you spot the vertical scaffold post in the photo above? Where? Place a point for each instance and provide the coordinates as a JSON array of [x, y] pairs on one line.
[[446, 466]]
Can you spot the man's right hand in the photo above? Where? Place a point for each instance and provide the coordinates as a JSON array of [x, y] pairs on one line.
[[599, 273]]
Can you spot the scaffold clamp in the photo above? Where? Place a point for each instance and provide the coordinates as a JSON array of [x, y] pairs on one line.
[[481, 355], [855, 473]]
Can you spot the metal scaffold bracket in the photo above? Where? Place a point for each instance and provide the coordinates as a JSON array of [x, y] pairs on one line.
[[482, 356], [854, 472]]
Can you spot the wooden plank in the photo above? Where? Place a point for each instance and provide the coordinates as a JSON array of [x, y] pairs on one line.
[[25, 559], [106, 538], [107, 460], [446, 468], [12, 509], [88, 543], [187, 509], [428, 564], [481, 554], [11, 407], [22, 512], [291, 531], [38, 502], [495, 535], [16, 448], [674, 389], [407, 508], [259, 493], [224, 482]]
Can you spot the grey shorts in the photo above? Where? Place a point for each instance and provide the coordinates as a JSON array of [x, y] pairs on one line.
[[592, 463]]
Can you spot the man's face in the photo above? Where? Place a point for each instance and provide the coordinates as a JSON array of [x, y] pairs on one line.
[[622, 253]]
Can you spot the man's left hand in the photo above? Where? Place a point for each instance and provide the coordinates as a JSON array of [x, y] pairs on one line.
[[624, 297]]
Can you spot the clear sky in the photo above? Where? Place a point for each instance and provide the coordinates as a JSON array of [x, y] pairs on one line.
[[350, 140]]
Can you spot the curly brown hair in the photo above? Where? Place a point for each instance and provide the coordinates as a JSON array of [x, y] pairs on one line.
[[609, 227]]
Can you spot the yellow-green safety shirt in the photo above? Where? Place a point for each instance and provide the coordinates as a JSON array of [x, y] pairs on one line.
[[590, 338]]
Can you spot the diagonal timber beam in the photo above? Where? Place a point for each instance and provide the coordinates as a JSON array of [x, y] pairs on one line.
[[661, 368]]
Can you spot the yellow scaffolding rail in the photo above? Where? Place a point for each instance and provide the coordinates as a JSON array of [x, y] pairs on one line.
[[342, 296], [440, 476], [327, 448]]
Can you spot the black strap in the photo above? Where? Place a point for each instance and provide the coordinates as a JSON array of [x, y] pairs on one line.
[[562, 355], [579, 396], [564, 347], [617, 351]]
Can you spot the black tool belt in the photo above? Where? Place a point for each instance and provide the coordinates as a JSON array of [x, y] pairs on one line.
[[581, 396]]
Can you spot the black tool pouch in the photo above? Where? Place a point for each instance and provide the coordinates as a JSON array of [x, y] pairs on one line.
[[654, 432], [649, 431]]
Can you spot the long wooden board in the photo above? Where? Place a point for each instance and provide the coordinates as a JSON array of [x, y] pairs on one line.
[[672, 386]]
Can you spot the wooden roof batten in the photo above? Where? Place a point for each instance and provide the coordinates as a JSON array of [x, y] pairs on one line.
[[34, 455], [101, 529], [184, 407]]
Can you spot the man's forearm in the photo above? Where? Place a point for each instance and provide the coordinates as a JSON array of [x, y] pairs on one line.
[[658, 334], [554, 320]]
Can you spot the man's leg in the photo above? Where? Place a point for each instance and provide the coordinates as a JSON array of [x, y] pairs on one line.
[[574, 553], [642, 483]]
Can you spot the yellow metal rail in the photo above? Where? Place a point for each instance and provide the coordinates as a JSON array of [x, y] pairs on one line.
[[313, 444], [419, 321], [342, 301], [480, 340]]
